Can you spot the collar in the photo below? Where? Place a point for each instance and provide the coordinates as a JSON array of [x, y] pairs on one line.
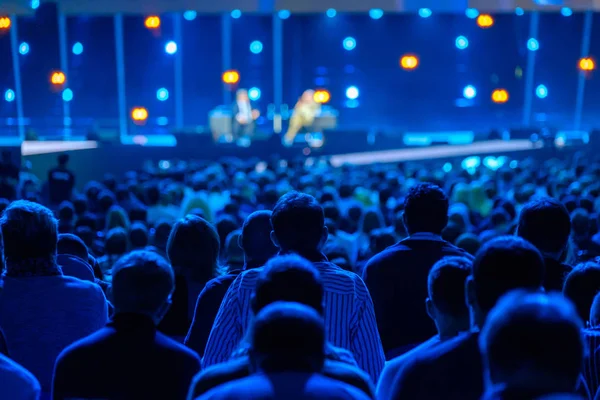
[[32, 267], [426, 236]]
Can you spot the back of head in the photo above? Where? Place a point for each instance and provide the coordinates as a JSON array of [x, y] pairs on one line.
[[503, 264], [225, 225], [63, 160], [142, 283], [580, 221], [581, 285], [546, 224], [533, 341], [298, 222], [162, 230], [256, 237], [381, 239], [288, 278], [138, 235], [116, 217], [106, 199], [72, 245], [152, 194], [66, 211], [469, 243], [80, 204], [29, 231], [116, 242], [233, 252], [426, 209], [446, 286]]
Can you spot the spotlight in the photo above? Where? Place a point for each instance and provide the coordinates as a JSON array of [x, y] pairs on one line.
[[462, 42], [67, 95], [472, 13], [566, 12], [254, 93], [485, 21], [519, 11], [587, 64], [409, 62], [425, 12], [9, 95], [35, 4], [24, 48], [349, 43], [322, 96], [256, 47], [376, 13], [352, 93], [58, 78], [331, 13], [500, 96], [469, 92], [231, 77], [171, 47], [152, 22], [162, 94], [284, 14], [541, 91], [77, 48], [533, 44], [139, 115], [190, 15], [235, 14]]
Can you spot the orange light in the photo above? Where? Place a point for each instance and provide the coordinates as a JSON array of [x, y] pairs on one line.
[[409, 62], [58, 78], [587, 64], [485, 21], [152, 22], [231, 77], [322, 96], [500, 96], [139, 114], [5, 23]]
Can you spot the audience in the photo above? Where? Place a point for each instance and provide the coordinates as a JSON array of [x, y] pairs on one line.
[[581, 286], [16, 383]]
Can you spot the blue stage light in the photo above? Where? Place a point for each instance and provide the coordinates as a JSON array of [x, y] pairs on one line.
[[9, 95], [331, 12], [519, 11], [566, 11], [376, 13], [533, 44], [254, 93], [77, 48], [162, 121], [425, 12], [469, 92], [67, 95], [235, 14], [461, 42], [541, 91], [171, 47], [472, 13], [284, 14], [35, 4], [24, 48], [162, 94], [349, 43], [190, 15], [352, 93], [256, 47]]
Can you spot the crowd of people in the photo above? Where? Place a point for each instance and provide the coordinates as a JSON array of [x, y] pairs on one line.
[[242, 279]]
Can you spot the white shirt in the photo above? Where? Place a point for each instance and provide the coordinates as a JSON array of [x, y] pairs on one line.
[[245, 109]]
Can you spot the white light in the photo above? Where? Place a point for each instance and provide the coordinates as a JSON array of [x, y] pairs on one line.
[[461, 42], [171, 47], [541, 91], [67, 95], [376, 13], [331, 13], [235, 14], [77, 48], [566, 12], [162, 94], [254, 93], [9, 95], [469, 92], [349, 43], [425, 12], [533, 44], [190, 15], [256, 47], [284, 14], [24, 48], [352, 93], [472, 13], [519, 11], [35, 4]]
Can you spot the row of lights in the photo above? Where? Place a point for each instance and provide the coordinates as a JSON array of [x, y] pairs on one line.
[[24, 48]]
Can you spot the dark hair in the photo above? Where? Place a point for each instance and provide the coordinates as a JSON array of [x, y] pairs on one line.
[[469, 243], [581, 286], [381, 239], [116, 242], [162, 230], [288, 278], [580, 222], [503, 264], [256, 236], [546, 224], [87, 219], [29, 231], [298, 222], [426, 209], [106, 199], [138, 236], [194, 244], [446, 285], [72, 245], [66, 211], [225, 225], [80, 204], [152, 194], [63, 159]]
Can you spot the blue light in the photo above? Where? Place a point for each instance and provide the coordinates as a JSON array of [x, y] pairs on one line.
[[566, 12], [162, 121], [256, 47], [462, 42], [67, 95], [284, 14], [235, 14], [352, 93], [254, 93], [376, 13], [349, 43], [35, 4], [425, 12], [162, 94], [24, 48], [171, 47], [77, 48], [519, 11], [9, 95], [331, 13], [472, 13], [469, 92], [351, 103], [533, 44], [541, 91], [190, 15]]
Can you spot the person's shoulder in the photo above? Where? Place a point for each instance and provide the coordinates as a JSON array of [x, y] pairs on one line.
[[177, 350], [348, 374], [447, 353], [83, 288], [215, 375], [453, 250], [219, 281], [19, 376], [79, 349], [388, 255]]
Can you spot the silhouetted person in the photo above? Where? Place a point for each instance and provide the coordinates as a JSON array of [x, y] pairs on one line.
[[581, 286], [61, 181], [397, 277], [138, 236], [129, 359]]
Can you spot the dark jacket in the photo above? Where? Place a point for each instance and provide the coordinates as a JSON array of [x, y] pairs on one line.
[[555, 274]]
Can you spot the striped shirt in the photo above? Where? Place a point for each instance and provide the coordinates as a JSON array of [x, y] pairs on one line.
[[349, 318], [591, 365]]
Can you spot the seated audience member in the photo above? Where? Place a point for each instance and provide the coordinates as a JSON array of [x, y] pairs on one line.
[[116, 245], [288, 341], [41, 310], [299, 227], [129, 359], [581, 286], [592, 335], [193, 249], [447, 308], [138, 236], [532, 347], [580, 234], [453, 370], [469, 243], [160, 237], [258, 249], [72, 256], [66, 216], [233, 255], [397, 277], [16, 383], [546, 224], [290, 279], [116, 217]]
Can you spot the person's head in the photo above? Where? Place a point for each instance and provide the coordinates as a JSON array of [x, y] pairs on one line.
[[255, 239], [298, 223], [225, 225], [152, 194], [29, 231], [117, 218], [138, 236], [580, 221], [162, 230], [241, 95], [581, 286], [80, 204], [72, 245], [469, 243], [425, 209], [380, 239], [106, 199], [116, 242], [288, 278], [233, 253], [194, 246], [371, 220], [546, 224], [501, 265], [446, 304], [66, 212], [533, 342], [142, 283], [63, 160]]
